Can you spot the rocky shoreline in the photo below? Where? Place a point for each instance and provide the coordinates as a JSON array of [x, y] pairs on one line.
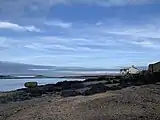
[[87, 87], [131, 103], [128, 97], [64, 89]]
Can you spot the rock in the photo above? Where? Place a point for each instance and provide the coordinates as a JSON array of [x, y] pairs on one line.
[[35, 92], [97, 88], [69, 93], [115, 87], [47, 88], [69, 85], [17, 96], [31, 84]]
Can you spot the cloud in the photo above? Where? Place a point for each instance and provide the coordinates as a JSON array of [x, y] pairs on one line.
[[34, 4], [86, 45], [148, 30], [145, 35], [59, 23], [99, 23], [121, 2], [20, 7], [16, 27], [148, 44]]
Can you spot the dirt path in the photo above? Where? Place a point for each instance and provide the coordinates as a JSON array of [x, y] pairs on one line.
[[130, 103]]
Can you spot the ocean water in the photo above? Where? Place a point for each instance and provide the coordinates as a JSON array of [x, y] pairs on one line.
[[13, 84]]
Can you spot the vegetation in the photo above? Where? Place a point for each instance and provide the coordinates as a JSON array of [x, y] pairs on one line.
[[31, 84]]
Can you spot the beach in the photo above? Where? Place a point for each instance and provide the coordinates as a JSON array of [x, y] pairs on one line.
[[131, 103], [132, 97]]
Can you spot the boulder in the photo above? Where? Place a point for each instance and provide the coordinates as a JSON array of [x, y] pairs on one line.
[[35, 92], [115, 87], [16, 96], [96, 88], [69, 93], [69, 85], [47, 88], [31, 84]]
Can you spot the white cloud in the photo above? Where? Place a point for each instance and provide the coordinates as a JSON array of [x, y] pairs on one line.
[[151, 31], [149, 44], [16, 27], [99, 23], [59, 23], [120, 2], [105, 42], [31, 28]]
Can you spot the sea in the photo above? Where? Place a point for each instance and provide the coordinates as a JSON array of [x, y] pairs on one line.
[[13, 84], [17, 69]]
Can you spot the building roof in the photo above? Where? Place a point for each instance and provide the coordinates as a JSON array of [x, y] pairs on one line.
[[155, 63]]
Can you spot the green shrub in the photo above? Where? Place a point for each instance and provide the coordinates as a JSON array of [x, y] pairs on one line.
[[31, 84]]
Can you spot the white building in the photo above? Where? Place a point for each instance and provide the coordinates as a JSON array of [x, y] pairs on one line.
[[130, 70]]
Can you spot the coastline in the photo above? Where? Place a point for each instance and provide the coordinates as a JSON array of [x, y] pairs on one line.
[[139, 102], [102, 97], [70, 77], [6, 84]]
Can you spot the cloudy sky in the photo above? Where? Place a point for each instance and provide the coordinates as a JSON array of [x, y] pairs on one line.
[[86, 33]]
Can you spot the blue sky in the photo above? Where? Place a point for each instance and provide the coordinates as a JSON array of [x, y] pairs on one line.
[[86, 33]]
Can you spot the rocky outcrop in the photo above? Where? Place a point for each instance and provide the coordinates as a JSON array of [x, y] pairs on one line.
[[31, 84], [70, 93], [70, 85], [87, 87], [97, 88], [15, 96], [154, 67]]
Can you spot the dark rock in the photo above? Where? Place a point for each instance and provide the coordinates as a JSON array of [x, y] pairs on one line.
[[124, 83], [69, 93], [70, 85], [34, 92], [108, 82], [47, 88], [100, 78], [115, 87], [97, 88], [115, 81], [77, 86], [18, 96]]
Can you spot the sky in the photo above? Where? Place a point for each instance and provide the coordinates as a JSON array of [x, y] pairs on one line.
[[81, 33]]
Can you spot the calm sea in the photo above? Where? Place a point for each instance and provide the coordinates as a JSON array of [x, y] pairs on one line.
[[13, 84]]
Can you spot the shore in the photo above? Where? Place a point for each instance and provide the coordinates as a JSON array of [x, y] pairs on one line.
[[100, 98], [69, 77], [140, 102]]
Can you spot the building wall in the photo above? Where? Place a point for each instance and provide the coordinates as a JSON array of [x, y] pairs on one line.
[[130, 70], [123, 72], [150, 68], [133, 70]]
